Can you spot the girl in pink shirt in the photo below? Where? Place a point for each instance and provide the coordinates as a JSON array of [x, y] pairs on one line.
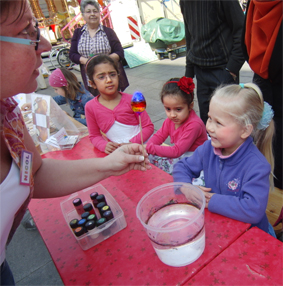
[[110, 119], [185, 128]]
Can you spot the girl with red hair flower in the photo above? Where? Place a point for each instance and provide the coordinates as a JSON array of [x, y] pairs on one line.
[[185, 128]]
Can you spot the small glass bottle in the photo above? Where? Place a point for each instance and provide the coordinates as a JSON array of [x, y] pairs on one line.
[[73, 224], [106, 231], [85, 215], [89, 208], [79, 206], [101, 198], [101, 221], [79, 231], [92, 217], [108, 215], [100, 206], [81, 223], [90, 226], [105, 208], [93, 198]]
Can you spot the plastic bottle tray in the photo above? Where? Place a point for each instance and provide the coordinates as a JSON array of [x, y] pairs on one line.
[[104, 231]]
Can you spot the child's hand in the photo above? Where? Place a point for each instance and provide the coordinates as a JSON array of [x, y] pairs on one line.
[[111, 147], [207, 194]]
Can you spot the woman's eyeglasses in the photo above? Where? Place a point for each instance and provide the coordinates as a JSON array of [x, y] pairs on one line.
[[33, 37]]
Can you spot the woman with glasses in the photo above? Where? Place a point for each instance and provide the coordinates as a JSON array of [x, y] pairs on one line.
[[24, 174], [95, 39]]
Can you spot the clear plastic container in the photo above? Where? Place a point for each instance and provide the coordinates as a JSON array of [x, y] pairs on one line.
[[98, 234], [173, 217]]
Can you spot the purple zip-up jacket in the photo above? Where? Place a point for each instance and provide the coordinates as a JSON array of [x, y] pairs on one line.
[[240, 181]]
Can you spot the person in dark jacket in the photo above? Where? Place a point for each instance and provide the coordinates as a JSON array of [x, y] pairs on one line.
[[213, 37], [95, 39], [262, 46]]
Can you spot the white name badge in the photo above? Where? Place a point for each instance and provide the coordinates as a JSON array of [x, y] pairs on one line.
[[26, 168]]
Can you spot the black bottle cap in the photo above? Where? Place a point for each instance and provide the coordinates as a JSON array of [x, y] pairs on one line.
[[101, 221], [101, 205], [90, 225], [101, 198], [108, 215], [77, 202], [74, 223], [88, 207], [92, 217], [105, 208], [82, 222], [79, 231], [85, 215], [93, 195]]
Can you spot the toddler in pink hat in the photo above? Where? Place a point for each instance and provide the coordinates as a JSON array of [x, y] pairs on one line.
[[69, 91], [57, 79]]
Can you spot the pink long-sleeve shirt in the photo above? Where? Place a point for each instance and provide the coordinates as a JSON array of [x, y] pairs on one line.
[[187, 137], [102, 118]]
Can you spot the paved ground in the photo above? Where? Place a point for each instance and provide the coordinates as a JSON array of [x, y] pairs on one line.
[[27, 255]]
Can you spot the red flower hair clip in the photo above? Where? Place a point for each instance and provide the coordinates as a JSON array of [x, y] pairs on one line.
[[186, 84]]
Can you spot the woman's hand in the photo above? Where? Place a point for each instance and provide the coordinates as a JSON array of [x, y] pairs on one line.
[[125, 158], [83, 60], [115, 57], [111, 147], [54, 178]]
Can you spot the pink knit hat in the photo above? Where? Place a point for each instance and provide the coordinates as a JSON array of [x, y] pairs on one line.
[[57, 79]]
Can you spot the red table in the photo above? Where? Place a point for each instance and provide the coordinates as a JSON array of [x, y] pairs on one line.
[[127, 258], [253, 259]]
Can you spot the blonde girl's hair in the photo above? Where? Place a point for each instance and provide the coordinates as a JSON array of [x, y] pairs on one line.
[[245, 103], [73, 87]]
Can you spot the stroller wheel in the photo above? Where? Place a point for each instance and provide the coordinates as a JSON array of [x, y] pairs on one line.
[[172, 56]]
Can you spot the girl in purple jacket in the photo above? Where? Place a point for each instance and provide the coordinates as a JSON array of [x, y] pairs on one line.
[[237, 162]]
